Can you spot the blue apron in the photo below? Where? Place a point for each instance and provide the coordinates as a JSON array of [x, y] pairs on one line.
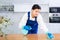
[[33, 24]]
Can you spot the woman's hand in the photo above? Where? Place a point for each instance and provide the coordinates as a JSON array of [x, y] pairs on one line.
[[50, 35]]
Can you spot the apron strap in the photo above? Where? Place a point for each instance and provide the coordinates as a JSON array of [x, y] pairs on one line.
[[28, 15], [35, 18]]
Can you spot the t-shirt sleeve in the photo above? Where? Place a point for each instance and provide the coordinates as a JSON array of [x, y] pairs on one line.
[[42, 24], [23, 21]]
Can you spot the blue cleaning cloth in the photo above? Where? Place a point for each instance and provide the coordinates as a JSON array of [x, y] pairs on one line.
[[25, 30]]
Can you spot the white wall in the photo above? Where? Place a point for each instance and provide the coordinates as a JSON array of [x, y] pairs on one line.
[[54, 3], [24, 1]]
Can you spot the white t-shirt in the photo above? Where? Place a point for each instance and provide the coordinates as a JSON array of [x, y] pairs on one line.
[[41, 24]]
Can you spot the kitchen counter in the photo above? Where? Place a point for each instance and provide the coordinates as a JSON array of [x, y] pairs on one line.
[[29, 37]]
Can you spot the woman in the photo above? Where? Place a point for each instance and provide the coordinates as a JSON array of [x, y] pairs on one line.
[[32, 21]]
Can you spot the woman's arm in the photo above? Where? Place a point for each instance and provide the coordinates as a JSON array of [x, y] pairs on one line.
[[22, 25], [44, 28], [42, 24], [23, 21]]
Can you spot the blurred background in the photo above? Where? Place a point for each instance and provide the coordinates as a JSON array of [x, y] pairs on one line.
[[13, 10]]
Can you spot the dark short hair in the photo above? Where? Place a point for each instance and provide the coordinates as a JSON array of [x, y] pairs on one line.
[[36, 6]]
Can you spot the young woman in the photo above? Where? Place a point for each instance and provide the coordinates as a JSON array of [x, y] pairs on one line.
[[32, 21]]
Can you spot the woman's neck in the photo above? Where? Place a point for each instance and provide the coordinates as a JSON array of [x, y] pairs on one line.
[[32, 15]]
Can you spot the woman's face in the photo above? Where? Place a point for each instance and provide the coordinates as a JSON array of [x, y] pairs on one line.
[[35, 12]]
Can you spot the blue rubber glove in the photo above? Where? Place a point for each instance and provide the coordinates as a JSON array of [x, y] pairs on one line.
[[27, 27], [50, 35]]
